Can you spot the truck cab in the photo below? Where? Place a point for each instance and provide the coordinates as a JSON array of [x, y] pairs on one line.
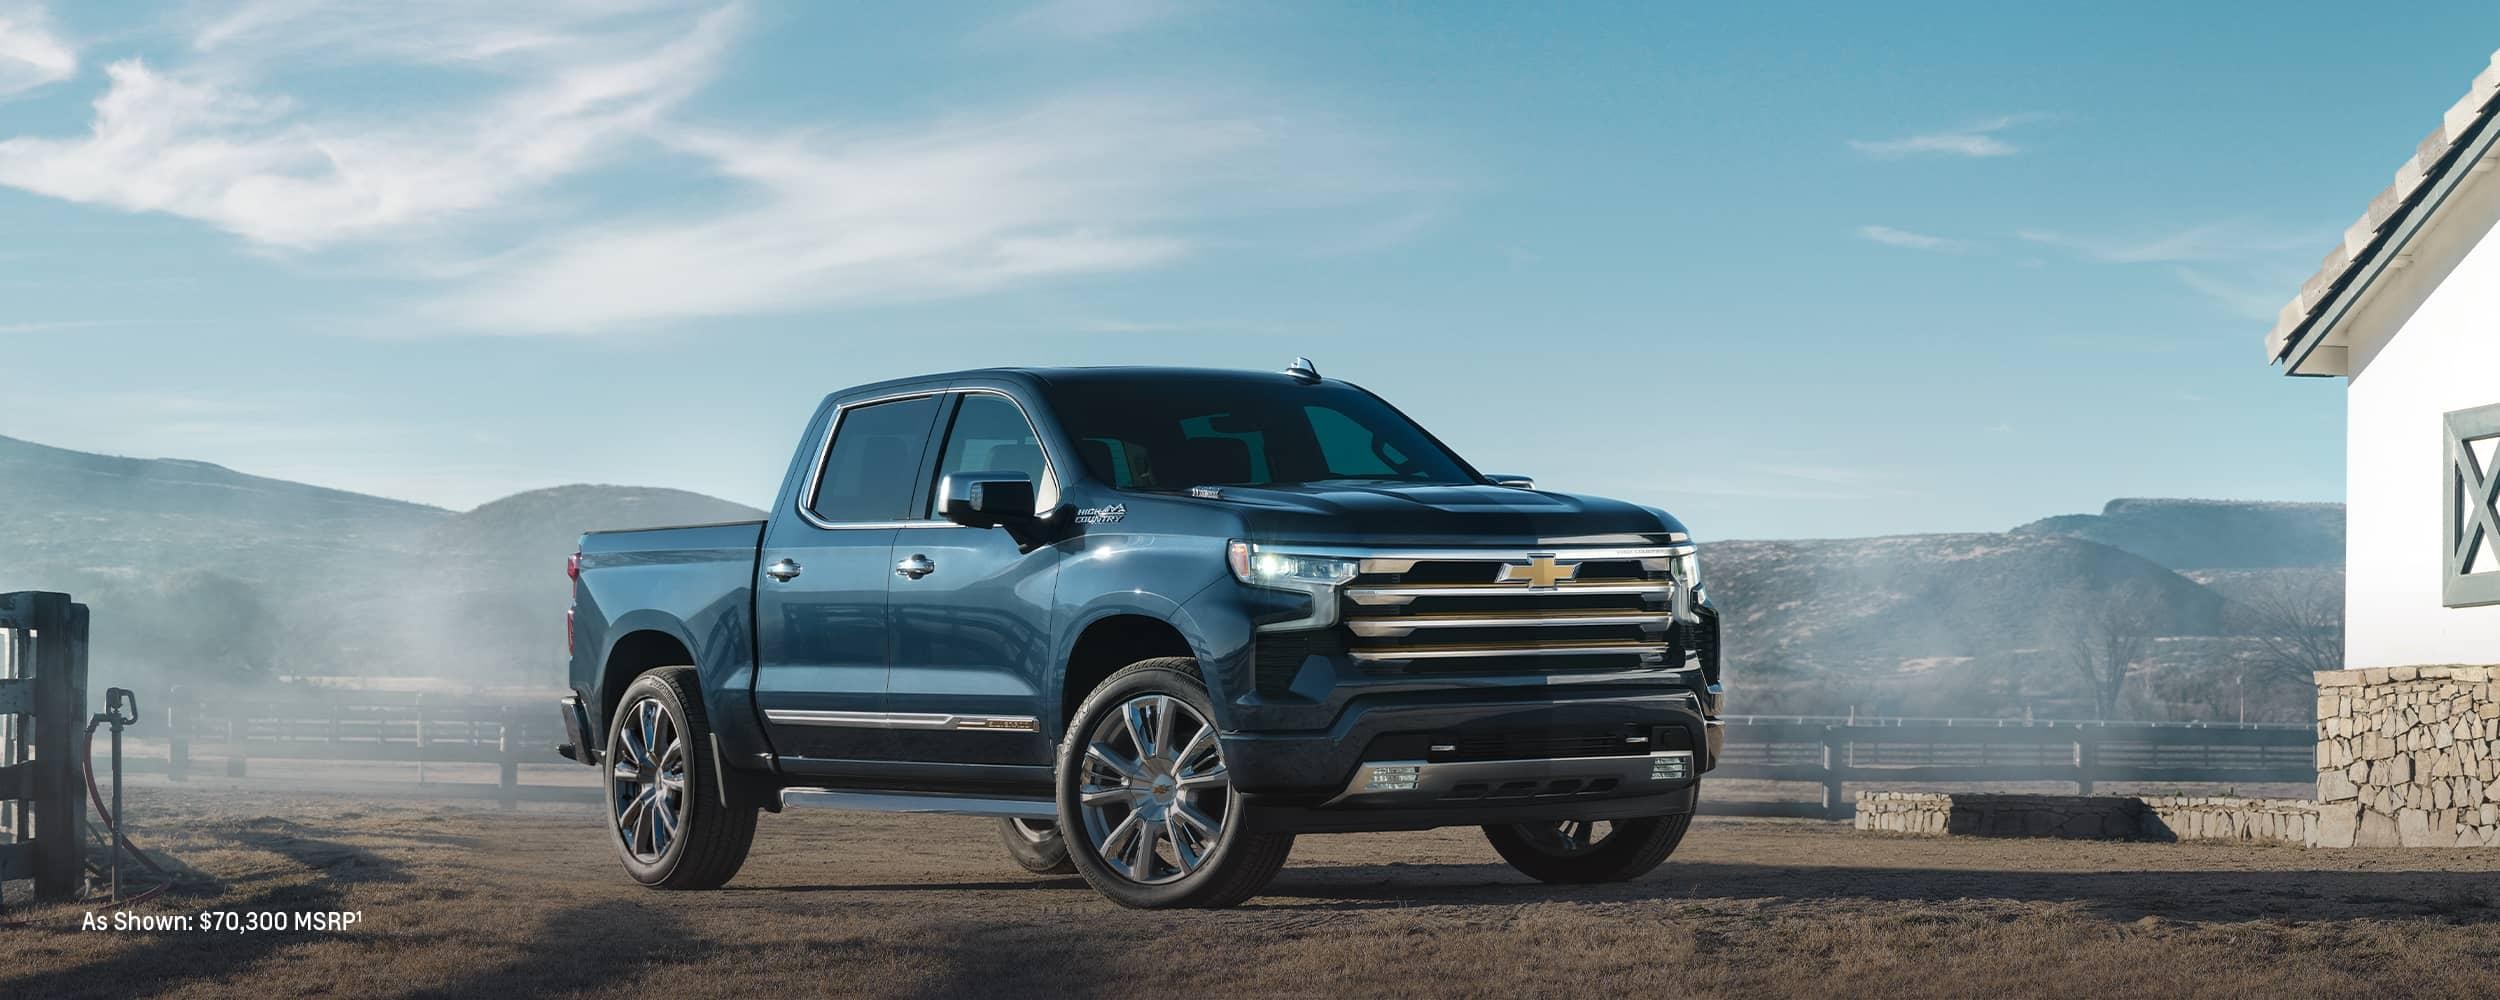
[[1159, 622]]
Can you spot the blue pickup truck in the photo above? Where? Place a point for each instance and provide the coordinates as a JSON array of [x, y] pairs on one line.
[[1157, 622]]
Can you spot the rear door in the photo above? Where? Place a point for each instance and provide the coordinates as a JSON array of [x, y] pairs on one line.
[[822, 631], [971, 635]]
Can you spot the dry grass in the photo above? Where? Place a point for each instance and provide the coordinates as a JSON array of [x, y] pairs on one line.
[[462, 901]]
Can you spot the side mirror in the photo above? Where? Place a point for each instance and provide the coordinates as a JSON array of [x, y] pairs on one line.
[[987, 499], [1512, 481]]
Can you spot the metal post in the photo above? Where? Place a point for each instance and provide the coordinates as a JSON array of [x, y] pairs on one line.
[[60, 674], [1833, 806], [118, 814]]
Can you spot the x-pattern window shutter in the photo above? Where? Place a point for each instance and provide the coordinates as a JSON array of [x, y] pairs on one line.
[[2473, 486]]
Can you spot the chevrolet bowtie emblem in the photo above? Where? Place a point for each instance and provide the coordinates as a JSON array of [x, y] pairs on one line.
[[1541, 571]]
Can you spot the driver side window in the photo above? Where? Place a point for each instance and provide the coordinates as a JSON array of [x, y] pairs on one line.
[[990, 434]]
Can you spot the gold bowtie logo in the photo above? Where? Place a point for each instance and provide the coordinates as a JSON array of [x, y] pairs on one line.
[[1541, 571]]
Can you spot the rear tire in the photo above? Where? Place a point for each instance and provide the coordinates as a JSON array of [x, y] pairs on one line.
[[1572, 852], [664, 812], [1141, 779], [1036, 845]]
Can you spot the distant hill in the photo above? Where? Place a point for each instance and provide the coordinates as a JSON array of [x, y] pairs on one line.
[[71, 510], [2211, 534], [1869, 607], [196, 571]]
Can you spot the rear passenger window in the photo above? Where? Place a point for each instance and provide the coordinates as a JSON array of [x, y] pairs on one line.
[[874, 460]]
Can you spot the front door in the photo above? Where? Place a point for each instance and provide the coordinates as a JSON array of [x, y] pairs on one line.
[[822, 631], [970, 662]]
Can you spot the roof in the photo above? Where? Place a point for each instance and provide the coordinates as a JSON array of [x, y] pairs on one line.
[[2421, 185]]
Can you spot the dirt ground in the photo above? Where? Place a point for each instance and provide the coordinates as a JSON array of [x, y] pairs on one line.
[[461, 899]]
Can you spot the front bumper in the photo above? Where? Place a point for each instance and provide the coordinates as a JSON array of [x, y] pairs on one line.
[[1314, 781]]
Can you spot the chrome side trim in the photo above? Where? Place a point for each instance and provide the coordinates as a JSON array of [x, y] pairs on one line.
[[1467, 652], [906, 802], [904, 720], [1381, 627]]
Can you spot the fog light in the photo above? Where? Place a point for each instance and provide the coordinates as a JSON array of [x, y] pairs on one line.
[[1670, 766], [1394, 778]]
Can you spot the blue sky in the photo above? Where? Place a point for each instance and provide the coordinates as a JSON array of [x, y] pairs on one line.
[[1788, 270]]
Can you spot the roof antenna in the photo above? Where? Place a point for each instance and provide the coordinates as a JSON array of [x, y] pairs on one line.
[[1303, 370]]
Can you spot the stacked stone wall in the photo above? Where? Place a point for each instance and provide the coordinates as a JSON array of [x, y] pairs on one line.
[[2409, 756], [2089, 817]]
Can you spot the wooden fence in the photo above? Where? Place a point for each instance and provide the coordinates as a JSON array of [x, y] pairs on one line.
[[419, 729], [43, 681], [1833, 753], [1828, 754]]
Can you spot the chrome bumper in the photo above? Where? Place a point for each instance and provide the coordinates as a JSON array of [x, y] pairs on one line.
[[1416, 782]]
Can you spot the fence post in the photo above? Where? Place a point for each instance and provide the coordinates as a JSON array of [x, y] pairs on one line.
[[1835, 757], [177, 735], [2087, 757], [510, 778], [60, 807]]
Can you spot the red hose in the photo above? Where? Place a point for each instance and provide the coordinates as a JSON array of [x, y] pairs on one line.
[[112, 822]]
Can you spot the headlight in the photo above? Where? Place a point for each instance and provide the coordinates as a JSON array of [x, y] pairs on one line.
[[1269, 568], [1687, 570]]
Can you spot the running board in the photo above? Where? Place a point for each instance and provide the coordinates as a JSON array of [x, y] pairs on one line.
[[911, 802]]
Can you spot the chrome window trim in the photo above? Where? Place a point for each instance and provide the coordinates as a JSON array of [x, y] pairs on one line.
[[806, 500]]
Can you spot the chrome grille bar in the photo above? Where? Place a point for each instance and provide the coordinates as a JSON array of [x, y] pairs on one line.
[[1391, 627], [1376, 654], [1404, 593]]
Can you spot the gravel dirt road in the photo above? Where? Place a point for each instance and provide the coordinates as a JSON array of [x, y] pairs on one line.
[[460, 899]]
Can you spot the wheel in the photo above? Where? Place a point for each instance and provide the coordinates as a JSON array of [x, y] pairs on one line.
[[1152, 818], [1036, 846], [670, 826], [1588, 850]]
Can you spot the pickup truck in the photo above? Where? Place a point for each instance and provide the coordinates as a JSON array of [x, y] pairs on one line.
[[1157, 622]]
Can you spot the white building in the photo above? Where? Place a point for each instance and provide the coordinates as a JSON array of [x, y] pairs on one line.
[[2407, 310]]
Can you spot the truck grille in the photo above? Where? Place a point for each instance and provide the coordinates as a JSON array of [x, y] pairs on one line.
[[1509, 612]]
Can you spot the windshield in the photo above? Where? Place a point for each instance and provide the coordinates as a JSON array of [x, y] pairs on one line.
[[1175, 433]]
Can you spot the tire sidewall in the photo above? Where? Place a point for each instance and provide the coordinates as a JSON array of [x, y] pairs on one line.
[[653, 687], [1129, 683]]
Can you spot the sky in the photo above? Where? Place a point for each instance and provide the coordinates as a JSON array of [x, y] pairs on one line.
[[1785, 270]]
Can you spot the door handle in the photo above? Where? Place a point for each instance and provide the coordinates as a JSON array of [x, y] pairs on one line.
[[783, 571], [915, 567]]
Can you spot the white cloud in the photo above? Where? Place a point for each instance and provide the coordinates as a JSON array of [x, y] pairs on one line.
[[1079, 20], [1908, 240], [207, 139], [2206, 242], [1085, 184], [2248, 302], [1978, 139], [31, 54]]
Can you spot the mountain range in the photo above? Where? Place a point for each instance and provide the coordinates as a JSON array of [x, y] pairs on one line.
[[199, 572]]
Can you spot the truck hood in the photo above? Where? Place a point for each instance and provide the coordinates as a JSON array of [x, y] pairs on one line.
[[1377, 512]]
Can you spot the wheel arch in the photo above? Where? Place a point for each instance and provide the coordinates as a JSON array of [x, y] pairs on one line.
[[1108, 640]]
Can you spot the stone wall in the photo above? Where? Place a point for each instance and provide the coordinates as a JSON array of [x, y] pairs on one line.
[[2088, 817], [2409, 756]]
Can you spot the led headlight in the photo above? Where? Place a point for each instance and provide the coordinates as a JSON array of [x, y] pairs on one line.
[[1686, 569], [1270, 568]]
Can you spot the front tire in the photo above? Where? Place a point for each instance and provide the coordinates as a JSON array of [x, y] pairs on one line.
[[1577, 852], [1149, 814], [664, 815]]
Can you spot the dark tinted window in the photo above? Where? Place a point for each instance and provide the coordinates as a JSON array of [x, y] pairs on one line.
[[876, 453], [1174, 433], [991, 435]]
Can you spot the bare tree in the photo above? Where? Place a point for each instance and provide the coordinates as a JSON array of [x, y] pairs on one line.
[[2296, 621], [2107, 633]]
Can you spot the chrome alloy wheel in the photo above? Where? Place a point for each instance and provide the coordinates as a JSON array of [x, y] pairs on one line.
[[647, 781], [1566, 838], [1153, 793]]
